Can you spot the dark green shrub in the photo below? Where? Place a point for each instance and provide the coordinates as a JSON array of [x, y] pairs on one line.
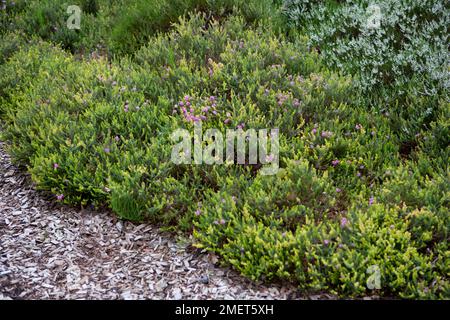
[[9, 44], [143, 19], [90, 6]]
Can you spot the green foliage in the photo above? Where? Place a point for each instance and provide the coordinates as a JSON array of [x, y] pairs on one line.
[[10, 13], [359, 190], [90, 6], [47, 19], [9, 44], [143, 19], [274, 230]]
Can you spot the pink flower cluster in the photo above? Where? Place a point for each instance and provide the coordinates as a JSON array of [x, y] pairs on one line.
[[335, 162], [344, 222], [282, 98], [221, 221], [189, 113]]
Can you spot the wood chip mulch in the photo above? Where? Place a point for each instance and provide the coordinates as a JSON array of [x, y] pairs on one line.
[[49, 251]]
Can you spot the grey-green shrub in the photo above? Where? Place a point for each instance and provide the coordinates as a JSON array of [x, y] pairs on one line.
[[412, 40]]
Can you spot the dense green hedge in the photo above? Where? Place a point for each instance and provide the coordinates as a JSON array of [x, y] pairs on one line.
[[359, 189]]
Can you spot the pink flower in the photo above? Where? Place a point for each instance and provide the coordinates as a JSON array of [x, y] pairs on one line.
[[55, 166], [241, 126], [117, 138], [326, 134], [198, 212], [212, 98], [186, 98], [222, 221], [59, 197], [335, 162], [107, 150], [358, 127], [338, 190], [326, 242], [371, 200], [314, 131], [226, 121], [358, 174], [344, 222]]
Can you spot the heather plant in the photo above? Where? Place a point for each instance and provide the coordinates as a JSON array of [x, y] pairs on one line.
[[359, 204]]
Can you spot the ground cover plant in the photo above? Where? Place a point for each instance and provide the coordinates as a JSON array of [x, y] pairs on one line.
[[360, 203]]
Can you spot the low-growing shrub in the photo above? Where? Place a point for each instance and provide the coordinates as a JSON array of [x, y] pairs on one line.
[[352, 210]]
